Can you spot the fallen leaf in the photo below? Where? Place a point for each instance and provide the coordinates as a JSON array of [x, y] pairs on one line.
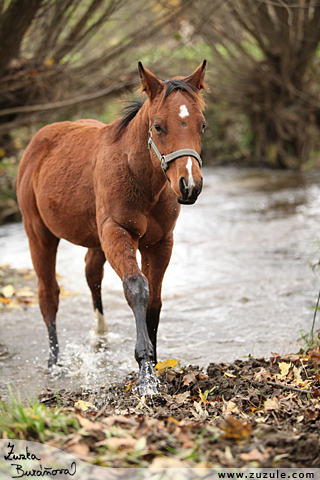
[[88, 424], [310, 415], [296, 375], [284, 370], [140, 444], [8, 291], [161, 366], [82, 405], [5, 301], [182, 397], [80, 450], [116, 442], [203, 398], [182, 433], [25, 292], [230, 407], [315, 354], [263, 374], [253, 455], [189, 378], [200, 411], [271, 404], [236, 429], [65, 293]]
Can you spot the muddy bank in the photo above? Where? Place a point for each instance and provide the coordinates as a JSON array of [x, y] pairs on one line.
[[257, 412]]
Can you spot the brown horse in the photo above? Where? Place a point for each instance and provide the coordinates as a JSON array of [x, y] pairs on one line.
[[115, 189]]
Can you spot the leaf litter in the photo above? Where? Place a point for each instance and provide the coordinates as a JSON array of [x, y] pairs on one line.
[[201, 418]]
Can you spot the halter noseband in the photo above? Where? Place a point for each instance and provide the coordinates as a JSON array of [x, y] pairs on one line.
[[165, 159]]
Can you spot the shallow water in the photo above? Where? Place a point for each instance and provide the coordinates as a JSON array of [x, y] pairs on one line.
[[238, 283]]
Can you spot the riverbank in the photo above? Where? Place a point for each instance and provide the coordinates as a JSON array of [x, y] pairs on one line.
[[257, 412]]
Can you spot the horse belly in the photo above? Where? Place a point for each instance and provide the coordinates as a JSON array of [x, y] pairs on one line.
[[66, 201]]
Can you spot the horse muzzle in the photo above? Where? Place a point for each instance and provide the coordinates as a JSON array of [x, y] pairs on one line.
[[189, 193]]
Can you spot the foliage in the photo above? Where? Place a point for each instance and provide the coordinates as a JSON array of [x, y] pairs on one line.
[[266, 69]]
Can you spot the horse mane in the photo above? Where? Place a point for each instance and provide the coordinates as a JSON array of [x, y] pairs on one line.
[[184, 86], [133, 106], [130, 111]]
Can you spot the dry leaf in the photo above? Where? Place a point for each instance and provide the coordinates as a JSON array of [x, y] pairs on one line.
[[87, 424], [236, 429], [271, 404], [8, 291], [189, 378], [161, 366], [116, 442], [230, 407], [296, 375], [315, 354], [284, 370], [263, 374], [83, 405], [253, 455], [182, 397], [200, 411]]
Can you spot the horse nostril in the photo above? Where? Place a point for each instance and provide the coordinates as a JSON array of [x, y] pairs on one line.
[[183, 186]]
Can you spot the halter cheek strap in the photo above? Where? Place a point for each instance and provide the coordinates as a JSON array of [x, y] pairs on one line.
[[165, 159]]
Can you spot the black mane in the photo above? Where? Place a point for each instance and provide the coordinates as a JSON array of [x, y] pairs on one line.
[[172, 85], [130, 111]]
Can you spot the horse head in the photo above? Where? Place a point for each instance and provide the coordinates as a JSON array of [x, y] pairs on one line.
[[176, 123]]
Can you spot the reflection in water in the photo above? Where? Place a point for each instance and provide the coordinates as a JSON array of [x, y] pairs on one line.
[[238, 283]]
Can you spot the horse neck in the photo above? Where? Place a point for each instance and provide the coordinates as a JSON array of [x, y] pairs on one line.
[[136, 139]]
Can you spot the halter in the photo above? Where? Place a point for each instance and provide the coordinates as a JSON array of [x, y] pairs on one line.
[[165, 159]]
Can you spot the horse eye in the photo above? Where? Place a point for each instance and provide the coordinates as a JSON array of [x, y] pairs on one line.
[[158, 128], [204, 126]]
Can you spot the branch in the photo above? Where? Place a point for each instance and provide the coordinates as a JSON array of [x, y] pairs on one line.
[[71, 101]]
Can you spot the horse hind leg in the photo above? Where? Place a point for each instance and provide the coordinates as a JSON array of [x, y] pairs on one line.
[[95, 260], [43, 247]]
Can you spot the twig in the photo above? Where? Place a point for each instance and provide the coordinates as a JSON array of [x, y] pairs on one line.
[[314, 317], [48, 399], [289, 387], [103, 409]]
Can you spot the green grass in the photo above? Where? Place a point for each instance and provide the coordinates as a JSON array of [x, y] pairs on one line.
[[35, 423]]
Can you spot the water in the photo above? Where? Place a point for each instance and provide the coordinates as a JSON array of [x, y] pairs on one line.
[[238, 283]]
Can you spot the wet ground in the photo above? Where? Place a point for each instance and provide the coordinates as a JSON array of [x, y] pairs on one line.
[[258, 412], [238, 283]]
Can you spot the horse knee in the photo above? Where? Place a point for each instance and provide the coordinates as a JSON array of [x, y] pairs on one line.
[[136, 291], [48, 299]]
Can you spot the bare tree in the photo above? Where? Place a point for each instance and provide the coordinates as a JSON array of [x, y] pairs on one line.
[[266, 67], [56, 54]]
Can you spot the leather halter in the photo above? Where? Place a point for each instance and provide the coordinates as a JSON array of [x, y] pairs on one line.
[[165, 159]]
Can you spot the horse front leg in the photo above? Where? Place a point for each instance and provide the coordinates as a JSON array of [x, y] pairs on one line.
[[120, 249], [155, 260]]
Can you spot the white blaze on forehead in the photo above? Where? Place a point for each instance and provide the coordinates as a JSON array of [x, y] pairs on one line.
[[190, 178], [183, 111]]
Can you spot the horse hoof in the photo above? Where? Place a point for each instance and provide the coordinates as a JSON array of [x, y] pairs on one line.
[[147, 389], [148, 382]]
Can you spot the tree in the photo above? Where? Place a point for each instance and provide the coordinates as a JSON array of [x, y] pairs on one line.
[[266, 67], [56, 54]]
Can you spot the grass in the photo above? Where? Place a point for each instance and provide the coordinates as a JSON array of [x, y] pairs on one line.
[[35, 423]]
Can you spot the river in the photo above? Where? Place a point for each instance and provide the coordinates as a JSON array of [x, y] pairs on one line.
[[239, 283]]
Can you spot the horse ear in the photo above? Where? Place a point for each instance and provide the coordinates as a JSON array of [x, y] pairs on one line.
[[197, 77], [150, 84]]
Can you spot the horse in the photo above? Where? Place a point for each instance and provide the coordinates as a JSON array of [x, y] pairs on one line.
[[115, 189]]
